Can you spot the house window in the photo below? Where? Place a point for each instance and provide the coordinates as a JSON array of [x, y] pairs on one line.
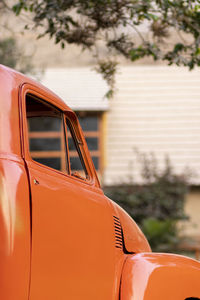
[[91, 125]]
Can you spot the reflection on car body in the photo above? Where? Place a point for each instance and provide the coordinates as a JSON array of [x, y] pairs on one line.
[[60, 237]]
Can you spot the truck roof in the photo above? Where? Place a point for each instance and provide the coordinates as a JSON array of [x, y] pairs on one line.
[[11, 82], [16, 79]]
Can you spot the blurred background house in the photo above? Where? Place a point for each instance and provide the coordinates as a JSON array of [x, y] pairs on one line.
[[155, 109]]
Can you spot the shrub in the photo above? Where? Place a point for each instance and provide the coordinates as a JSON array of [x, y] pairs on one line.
[[157, 204]]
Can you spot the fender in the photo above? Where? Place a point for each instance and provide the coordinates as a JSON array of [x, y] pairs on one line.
[[157, 276], [134, 239]]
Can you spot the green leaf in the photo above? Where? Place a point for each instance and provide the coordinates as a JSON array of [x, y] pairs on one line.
[[178, 47], [153, 17], [17, 8], [197, 8], [109, 94], [197, 52]]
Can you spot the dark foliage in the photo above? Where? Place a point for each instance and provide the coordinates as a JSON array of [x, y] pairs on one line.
[[157, 204], [11, 53], [12, 56], [118, 22]]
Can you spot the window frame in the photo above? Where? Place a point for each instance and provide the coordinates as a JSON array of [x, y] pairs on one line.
[[46, 97]]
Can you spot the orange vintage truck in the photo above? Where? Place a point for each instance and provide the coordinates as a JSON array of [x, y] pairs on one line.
[[60, 237]]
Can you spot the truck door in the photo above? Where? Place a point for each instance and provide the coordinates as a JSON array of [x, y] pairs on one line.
[[73, 250]]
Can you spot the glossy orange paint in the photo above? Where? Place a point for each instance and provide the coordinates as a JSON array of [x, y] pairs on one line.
[[72, 228], [14, 230], [60, 237], [160, 276], [14, 196], [134, 239]]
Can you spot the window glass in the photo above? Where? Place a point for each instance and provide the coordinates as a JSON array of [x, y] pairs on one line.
[[95, 160], [44, 144], [90, 123], [71, 144], [53, 162], [46, 134], [44, 124], [77, 165], [93, 143]]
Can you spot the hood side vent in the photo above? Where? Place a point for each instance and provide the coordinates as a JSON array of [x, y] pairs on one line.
[[118, 233]]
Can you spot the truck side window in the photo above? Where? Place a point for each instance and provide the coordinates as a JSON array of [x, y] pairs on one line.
[[46, 134], [77, 166]]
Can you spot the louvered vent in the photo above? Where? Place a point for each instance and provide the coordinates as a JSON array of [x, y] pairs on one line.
[[118, 233]]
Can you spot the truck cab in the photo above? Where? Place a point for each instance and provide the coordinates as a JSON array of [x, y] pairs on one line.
[[60, 236]]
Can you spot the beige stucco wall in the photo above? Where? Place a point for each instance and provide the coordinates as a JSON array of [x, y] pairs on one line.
[[192, 209]]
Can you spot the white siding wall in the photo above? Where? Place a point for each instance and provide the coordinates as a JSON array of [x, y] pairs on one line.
[[155, 109], [80, 88]]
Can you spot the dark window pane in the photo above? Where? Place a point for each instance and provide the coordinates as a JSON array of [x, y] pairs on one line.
[[71, 144], [43, 121], [53, 162], [75, 156], [89, 123], [92, 143], [45, 144], [96, 162], [44, 124], [76, 164], [75, 160]]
